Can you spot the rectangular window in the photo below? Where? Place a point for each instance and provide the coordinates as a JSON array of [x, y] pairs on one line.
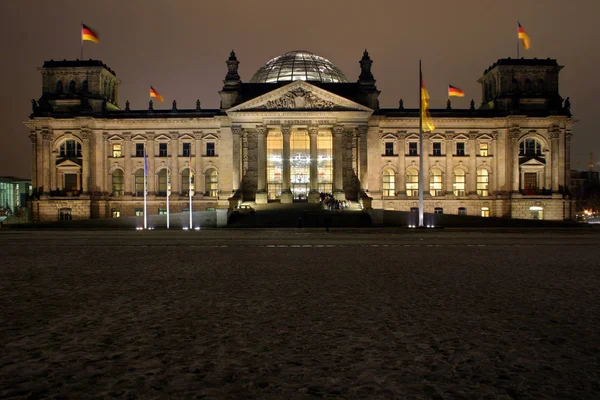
[[460, 149], [485, 212], [71, 182], [483, 181], [139, 212], [412, 149], [210, 149], [187, 149], [389, 148], [139, 149], [162, 211], [116, 150], [462, 211], [116, 213], [483, 149], [64, 214], [438, 210], [162, 149], [437, 148], [530, 181]]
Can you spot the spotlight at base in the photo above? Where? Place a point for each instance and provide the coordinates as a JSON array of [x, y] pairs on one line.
[[185, 228], [197, 228]]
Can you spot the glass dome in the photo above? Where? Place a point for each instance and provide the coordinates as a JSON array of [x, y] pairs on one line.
[[298, 66]]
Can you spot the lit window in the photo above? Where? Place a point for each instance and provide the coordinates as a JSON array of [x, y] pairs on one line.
[[162, 149], [116, 150], [483, 149], [412, 149], [185, 182], [482, 182], [485, 212], [116, 213], [210, 149], [139, 212], [437, 148], [162, 182], [162, 211], [462, 211], [459, 183], [139, 182], [117, 183], [460, 149], [275, 164], [389, 148], [211, 182], [435, 182], [389, 182], [187, 149], [412, 182]]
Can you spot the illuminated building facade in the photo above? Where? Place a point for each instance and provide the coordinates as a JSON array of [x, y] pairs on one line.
[[298, 128]]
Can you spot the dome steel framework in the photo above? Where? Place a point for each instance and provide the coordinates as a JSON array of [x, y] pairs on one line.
[[298, 65]]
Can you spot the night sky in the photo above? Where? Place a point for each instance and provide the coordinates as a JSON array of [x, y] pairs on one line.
[[180, 48]]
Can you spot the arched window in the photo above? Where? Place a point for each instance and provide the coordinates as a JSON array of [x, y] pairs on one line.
[[117, 183], [72, 87], [139, 182], [530, 147], [528, 85], [435, 182], [389, 182], [185, 182], [211, 182], [84, 86], [483, 181], [460, 186], [412, 182], [162, 182], [540, 85], [70, 148], [59, 87]]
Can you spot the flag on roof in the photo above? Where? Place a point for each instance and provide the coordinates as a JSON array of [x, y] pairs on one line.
[[88, 34], [156, 95], [523, 36], [454, 91]]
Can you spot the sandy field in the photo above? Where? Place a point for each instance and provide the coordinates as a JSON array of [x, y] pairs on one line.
[[300, 314]]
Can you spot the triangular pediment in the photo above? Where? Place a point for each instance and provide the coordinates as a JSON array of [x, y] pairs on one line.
[[162, 138], [300, 96], [532, 163], [66, 163]]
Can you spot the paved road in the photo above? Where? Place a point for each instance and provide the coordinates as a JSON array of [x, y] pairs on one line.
[[494, 314]]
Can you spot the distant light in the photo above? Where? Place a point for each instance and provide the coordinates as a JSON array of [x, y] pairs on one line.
[[197, 228], [185, 228]]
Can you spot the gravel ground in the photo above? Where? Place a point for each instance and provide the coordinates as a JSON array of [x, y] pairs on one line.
[[370, 314]]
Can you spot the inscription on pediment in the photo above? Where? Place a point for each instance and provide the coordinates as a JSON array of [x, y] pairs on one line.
[[299, 98]]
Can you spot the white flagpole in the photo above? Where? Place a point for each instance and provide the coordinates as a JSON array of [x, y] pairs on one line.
[[190, 191], [145, 188], [168, 192], [421, 205]]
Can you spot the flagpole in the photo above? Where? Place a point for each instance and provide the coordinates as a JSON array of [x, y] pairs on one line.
[[168, 192], [518, 40], [145, 189], [81, 34], [420, 146], [190, 190]]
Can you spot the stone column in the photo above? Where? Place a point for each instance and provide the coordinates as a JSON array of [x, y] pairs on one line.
[[198, 166], [174, 165], [152, 176], [338, 167], [472, 183], [286, 193], [363, 170], [46, 153], [86, 162], [494, 178], [53, 177], [555, 143], [236, 132], [514, 151], [313, 195], [426, 149], [33, 139], [449, 178], [261, 187], [127, 162], [567, 169], [401, 150], [39, 155]]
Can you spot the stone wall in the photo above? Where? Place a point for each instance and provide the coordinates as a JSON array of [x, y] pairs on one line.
[[48, 209]]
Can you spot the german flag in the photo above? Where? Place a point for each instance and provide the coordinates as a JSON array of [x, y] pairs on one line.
[[425, 116], [88, 34], [156, 95], [454, 91], [523, 36]]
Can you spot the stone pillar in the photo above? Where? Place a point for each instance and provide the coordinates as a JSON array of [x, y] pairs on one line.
[[174, 165], [567, 169], [555, 144], [426, 149], [449, 178], [261, 187], [198, 166], [472, 182], [313, 195], [514, 151], [236, 132], [338, 167], [33, 139], [127, 162], [286, 193], [39, 155], [401, 150], [494, 178], [86, 161], [152, 176], [46, 152], [362, 158], [53, 172]]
